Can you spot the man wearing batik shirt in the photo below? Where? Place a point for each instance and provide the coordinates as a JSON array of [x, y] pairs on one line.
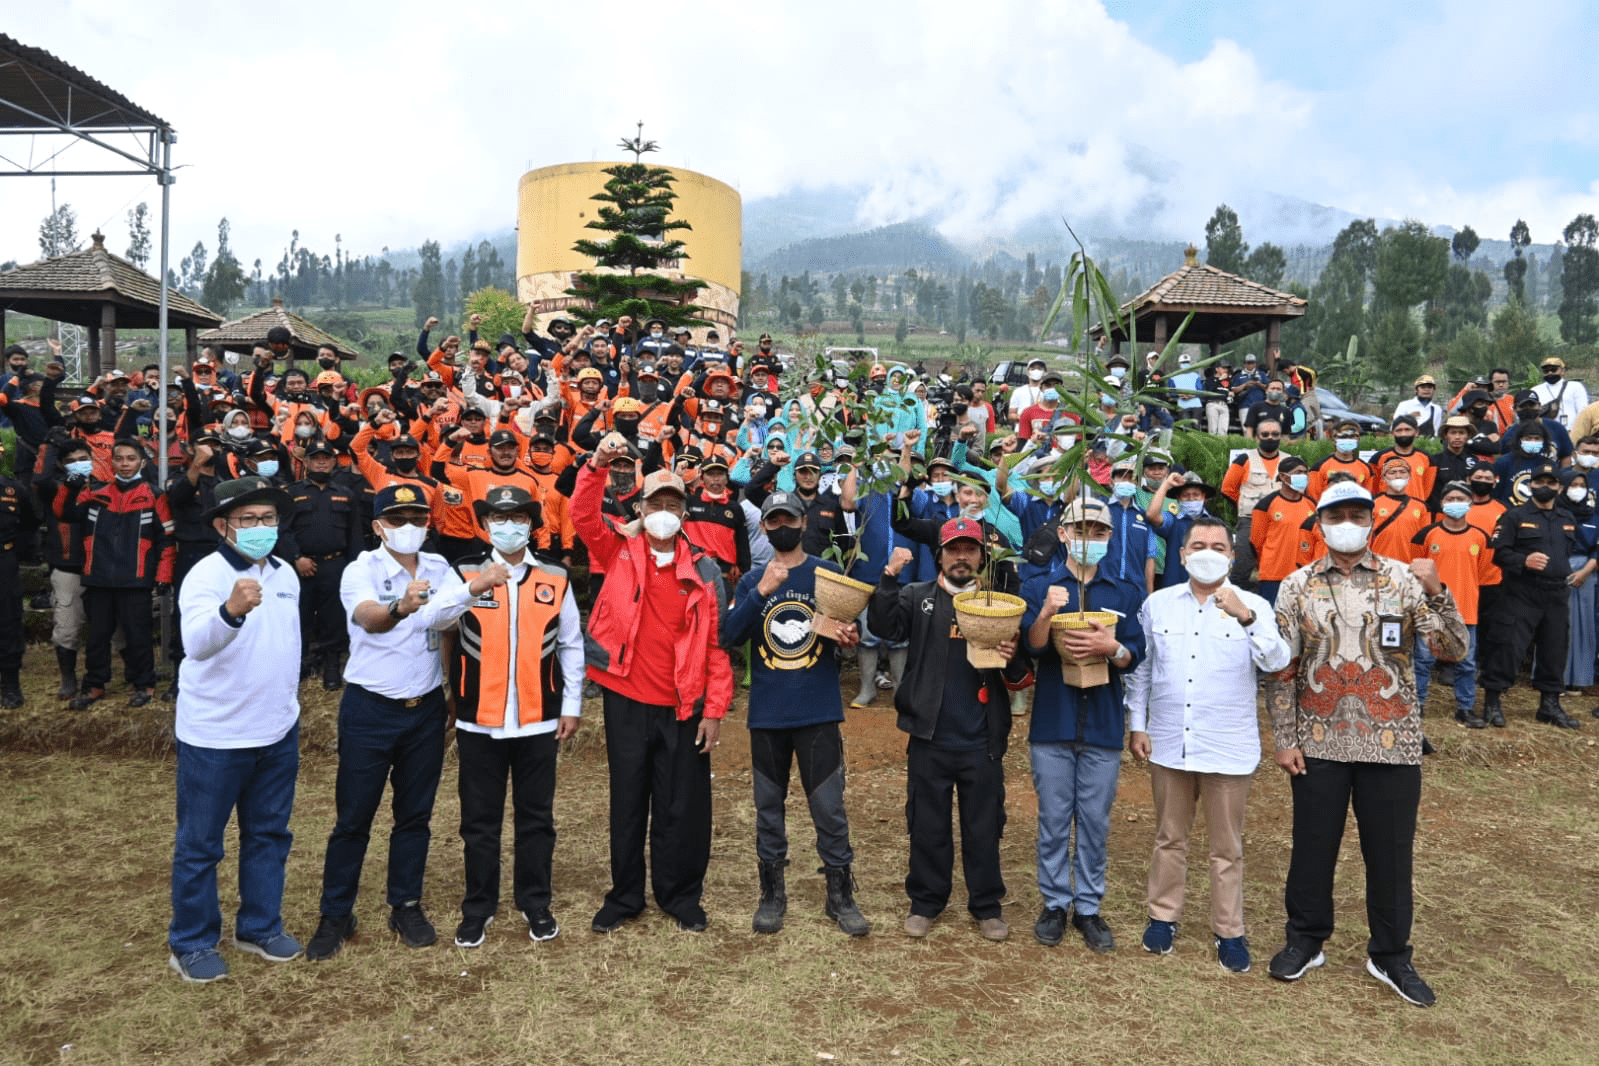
[[1348, 728]]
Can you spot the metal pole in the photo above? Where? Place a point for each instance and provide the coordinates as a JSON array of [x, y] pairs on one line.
[[165, 178]]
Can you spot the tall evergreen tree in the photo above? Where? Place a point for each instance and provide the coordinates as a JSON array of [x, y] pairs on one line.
[[1516, 266], [58, 233], [1580, 281], [637, 205], [224, 281], [427, 294], [139, 236], [1225, 247]]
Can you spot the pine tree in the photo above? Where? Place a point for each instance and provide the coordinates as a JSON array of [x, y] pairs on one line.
[[139, 236], [637, 201], [427, 294], [224, 282]]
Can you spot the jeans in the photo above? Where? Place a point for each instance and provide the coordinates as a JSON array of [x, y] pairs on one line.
[[380, 741], [1465, 673], [933, 777], [1267, 590], [211, 784], [1076, 783], [485, 763], [819, 750], [1385, 799]]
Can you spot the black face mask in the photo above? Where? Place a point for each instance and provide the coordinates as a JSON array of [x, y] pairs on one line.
[[1482, 489], [1404, 442], [646, 391], [1480, 412], [627, 427], [327, 364], [785, 538], [1544, 493], [1552, 379], [321, 478], [407, 465], [1268, 446]]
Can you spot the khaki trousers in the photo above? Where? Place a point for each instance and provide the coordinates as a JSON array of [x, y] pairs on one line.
[[1177, 793]]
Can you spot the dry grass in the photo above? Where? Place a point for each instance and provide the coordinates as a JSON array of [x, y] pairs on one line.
[[1507, 887]]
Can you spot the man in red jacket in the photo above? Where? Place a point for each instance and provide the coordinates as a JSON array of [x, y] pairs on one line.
[[654, 649]]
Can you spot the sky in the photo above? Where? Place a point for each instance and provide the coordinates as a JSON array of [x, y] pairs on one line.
[[390, 123]]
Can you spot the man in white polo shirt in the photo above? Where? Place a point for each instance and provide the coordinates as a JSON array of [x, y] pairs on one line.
[[516, 689], [238, 733], [392, 715]]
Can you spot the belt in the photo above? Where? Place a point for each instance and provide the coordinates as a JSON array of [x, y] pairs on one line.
[[329, 555], [408, 704]]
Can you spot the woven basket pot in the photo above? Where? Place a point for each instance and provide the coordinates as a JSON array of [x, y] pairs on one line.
[[988, 619], [1080, 673], [841, 598]]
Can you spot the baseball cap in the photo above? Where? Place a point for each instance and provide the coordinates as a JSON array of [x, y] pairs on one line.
[[1080, 510], [1553, 361], [1425, 379], [662, 481], [783, 501], [1343, 492], [1405, 420], [473, 412], [960, 529], [404, 440], [1543, 470], [715, 459], [501, 436], [320, 446], [807, 459], [329, 377], [647, 370]]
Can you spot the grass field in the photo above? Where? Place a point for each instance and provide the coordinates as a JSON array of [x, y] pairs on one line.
[[1507, 886]]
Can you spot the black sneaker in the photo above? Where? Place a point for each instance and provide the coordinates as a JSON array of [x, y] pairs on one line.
[[472, 930], [1469, 719], [611, 918], [1403, 978], [1051, 926], [1292, 962], [10, 697], [331, 933], [413, 926], [541, 925], [693, 920], [1096, 934]]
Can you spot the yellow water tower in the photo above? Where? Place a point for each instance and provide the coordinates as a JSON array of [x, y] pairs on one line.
[[555, 205]]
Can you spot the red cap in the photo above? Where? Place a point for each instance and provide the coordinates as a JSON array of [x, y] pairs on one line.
[[960, 529]]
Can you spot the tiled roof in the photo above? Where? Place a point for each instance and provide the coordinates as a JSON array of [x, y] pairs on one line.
[[59, 92], [96, 271], [252, 329], [1202, 285]]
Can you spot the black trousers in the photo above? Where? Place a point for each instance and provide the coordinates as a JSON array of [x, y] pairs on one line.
[[11, 637], [457, 548], [108, 608], [383, 741], [662, 785], [819, 750], [1526, 615], [1385, 799], [935, 775], [322, 623], [529, 762]]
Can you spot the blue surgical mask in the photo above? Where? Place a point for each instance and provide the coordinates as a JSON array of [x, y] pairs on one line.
[[1456, 508], [509, 537], [1107, 400], [1532, 447], [941, 488], [1191, 508], [257, 542], [1346, 445], [267, 467], [1124, 490], [1089, 552], [1299, 482], [80, 468]]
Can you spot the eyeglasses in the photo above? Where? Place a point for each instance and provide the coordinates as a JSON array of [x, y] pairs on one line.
[[1346, 436], [250, 521], [396, 521]]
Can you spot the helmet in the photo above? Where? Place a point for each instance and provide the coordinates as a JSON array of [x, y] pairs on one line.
[[329, 377], [589, 373]]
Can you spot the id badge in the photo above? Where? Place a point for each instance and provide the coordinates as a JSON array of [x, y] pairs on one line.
[[433, 640], [1391, 631]]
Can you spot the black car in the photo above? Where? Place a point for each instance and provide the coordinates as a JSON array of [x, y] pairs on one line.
[[1335, 410]]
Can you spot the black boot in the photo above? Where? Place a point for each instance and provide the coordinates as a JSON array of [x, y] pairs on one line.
[[332, 678], [841, 901], [1491, 712], [774, 899], [1550, 712], [10, 690], [67, 659]]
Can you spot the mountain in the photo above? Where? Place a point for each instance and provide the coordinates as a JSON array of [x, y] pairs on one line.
[[884, 249]]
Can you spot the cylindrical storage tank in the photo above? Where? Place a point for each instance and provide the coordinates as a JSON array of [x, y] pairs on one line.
[[555, 205]]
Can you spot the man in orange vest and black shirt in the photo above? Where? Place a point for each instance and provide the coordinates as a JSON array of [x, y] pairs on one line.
[[1249, 479], [515, 688]]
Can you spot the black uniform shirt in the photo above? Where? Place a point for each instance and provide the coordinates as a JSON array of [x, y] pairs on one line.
[[1526, 529]]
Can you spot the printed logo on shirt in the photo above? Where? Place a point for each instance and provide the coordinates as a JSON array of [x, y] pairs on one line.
[[790, 628], [453, 497], [927, 605], [544, 593], [1475, 549]]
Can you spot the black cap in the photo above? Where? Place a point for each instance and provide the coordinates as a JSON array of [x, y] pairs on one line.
[[542, 442], [400, 496], [1543, 470], [691, 454], [240, 492], [1474, 397], [404, 440], [253, 447], [319, 446], [506, 499], [783, 501], [502, 436], [715, 459], [1405, 420], [473, 412], [1527, 396], [807, 459]]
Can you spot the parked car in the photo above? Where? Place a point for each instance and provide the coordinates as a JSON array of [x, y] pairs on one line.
[[1335, 410], [1011, 372]]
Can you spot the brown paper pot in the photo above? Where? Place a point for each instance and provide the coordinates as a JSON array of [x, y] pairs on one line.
[[1080, 673], [841, 598], [988, 619]]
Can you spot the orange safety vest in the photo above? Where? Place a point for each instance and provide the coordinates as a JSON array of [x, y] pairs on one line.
[[483, 661]]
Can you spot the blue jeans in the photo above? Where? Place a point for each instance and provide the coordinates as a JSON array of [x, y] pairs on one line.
[[1465, 672], [1075, 783], [212, 783], [382, 741], [1267, 590]]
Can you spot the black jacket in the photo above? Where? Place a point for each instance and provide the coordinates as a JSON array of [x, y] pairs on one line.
[[924, 614]]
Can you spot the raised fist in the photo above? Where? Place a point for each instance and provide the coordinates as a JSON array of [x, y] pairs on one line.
[[898, 561]]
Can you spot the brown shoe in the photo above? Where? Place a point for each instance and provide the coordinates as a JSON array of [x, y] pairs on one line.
[[918, 925], [993, 928]]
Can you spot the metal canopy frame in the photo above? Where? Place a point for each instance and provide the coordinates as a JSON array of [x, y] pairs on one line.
[[44, 98]]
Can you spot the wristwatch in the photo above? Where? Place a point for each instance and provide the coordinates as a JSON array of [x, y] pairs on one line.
[[1250, 622], [394, 610]]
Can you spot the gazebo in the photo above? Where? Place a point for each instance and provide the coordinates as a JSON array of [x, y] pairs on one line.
[[242, 334], [101, 291], [1225, 307]]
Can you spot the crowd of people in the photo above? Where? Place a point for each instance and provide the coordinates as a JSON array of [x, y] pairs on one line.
[[620, 512]]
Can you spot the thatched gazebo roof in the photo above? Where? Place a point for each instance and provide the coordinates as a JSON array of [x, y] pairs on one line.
[[241, 334]]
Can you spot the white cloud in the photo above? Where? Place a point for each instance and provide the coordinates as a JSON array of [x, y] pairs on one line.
[[396, 121]]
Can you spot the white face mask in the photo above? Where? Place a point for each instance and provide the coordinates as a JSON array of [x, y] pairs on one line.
[[1587, 462], [514, 390], [1035, 375], [1576, 494], [304, 432], [662, 525], [1346, 537], [1118, 372], [407, 540], [239, 432], [1397, 485], [1207, 566]]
